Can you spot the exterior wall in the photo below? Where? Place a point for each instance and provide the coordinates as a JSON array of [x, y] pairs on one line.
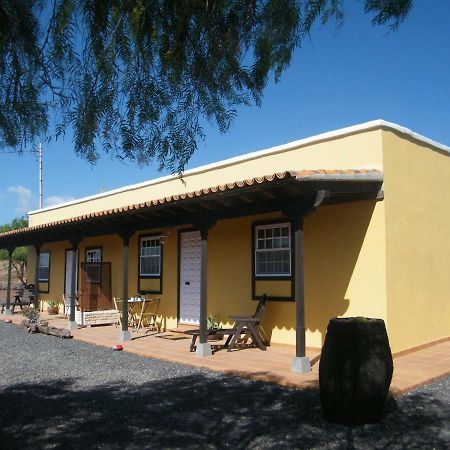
[[344, 270], [417, 204], [57, 264], [360, 150]]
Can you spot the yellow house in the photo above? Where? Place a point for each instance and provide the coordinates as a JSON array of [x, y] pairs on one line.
[[353, 222]]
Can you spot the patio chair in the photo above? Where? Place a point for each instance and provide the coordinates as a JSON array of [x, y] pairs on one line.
[[118, 304], [66, 300], [148, 315]]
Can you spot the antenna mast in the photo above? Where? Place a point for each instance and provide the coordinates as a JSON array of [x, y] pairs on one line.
[[40, 175]]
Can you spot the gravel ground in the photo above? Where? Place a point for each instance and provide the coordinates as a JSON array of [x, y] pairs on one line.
[[64, 394]]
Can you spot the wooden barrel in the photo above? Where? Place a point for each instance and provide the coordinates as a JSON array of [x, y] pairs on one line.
[[355, 370]]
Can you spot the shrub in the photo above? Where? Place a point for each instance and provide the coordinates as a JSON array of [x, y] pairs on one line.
[[31, 313]]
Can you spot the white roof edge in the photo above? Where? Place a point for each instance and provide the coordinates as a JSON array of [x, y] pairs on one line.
[[373, 124]]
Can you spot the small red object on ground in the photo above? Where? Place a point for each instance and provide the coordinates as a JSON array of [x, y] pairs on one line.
[[117, 347]]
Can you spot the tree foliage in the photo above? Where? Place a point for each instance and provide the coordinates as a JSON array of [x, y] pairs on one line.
[[136, 77], [19, 256]]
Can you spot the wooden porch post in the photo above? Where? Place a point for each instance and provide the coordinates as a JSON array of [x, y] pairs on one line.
[[73, 286], [125, 334], [36, 274], [203, 348], [301, 363], [296, 212], [8, 292]]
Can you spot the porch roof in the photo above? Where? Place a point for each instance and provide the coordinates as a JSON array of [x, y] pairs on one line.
[[251, 196]]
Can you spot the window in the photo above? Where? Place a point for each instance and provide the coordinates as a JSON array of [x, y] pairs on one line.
[[94, 255], [273, 250], [44, 267], [150, 256]]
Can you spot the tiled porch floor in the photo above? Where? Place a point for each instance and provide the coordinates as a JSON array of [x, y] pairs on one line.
[[410, 370]]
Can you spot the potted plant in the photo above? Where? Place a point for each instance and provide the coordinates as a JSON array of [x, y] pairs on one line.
[[212, 324], [53, 307]]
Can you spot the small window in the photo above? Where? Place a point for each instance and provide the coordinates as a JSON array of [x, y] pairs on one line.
[[150, 256], [94, 255], [44, 267], [273, 250]]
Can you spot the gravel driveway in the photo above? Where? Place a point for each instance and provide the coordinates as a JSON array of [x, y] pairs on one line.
[[65, 394]]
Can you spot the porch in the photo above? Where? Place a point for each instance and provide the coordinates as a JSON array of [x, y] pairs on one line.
[[411, 369]]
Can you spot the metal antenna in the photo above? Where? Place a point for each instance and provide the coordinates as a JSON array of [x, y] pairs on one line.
[[40, 175]]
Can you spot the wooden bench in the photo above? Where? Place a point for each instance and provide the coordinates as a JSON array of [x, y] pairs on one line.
[[24, 299], [222, 332], [243, 325]]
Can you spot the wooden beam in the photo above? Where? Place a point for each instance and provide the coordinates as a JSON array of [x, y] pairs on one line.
[[126, 236], [37, 247], [187, 208], [8, 292], [205, 205], [268, 195], [300, 345], [246, 198]]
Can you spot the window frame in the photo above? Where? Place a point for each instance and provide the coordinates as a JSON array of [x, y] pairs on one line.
[[272, 225], [140, 256], [44, 280], [91, 249]]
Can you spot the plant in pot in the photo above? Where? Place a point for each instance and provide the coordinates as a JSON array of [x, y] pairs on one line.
[[53, 307], [212, 324]]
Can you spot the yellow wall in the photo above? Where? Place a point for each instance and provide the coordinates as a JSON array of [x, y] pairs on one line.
[[347, 152], [417, 204], [57, 263], [343, 268]]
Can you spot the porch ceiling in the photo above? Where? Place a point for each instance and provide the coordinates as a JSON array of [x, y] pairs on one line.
[[257, 195]]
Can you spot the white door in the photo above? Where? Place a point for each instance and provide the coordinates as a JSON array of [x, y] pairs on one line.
[[67, 285], [190, 277]]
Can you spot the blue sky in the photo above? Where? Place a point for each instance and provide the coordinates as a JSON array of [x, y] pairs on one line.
[[339, 78]]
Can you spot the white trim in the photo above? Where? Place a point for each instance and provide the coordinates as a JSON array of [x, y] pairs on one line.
[[273, 226], [149, 238], [43, 280], [374, 124]]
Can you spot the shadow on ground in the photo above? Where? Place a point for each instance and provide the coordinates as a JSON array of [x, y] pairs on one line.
[[199, 411]]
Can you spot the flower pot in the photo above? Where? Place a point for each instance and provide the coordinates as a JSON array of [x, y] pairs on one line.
[[52, 310], [355, 370]]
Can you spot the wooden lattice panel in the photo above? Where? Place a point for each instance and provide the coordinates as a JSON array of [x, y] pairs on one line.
[[95, 286]]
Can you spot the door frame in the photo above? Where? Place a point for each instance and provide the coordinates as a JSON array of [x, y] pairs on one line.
[[180, 232]]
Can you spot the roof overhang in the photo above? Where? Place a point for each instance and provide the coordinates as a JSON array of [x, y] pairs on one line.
[[258, 195]]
